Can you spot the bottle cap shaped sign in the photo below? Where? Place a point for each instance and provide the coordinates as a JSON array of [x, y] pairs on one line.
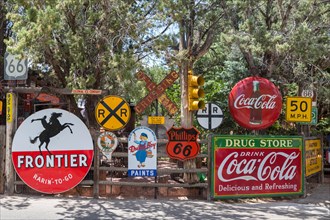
[[255, 103]]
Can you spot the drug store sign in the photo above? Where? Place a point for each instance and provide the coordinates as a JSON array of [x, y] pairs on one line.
[[255, 166]]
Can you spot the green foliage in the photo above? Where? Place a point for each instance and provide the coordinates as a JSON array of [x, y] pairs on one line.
[[287, 42], [101, 45], [323, 127]]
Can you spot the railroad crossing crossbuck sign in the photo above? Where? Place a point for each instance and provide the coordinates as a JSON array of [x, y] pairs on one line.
[[210, 117], [157, 91], [112, 113]]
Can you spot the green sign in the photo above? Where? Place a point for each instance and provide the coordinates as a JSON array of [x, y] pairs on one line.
[[314, 117]]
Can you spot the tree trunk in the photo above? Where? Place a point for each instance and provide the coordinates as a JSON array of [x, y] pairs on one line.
[[187, 119]]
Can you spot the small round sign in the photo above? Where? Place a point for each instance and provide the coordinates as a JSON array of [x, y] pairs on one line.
[[52, 151], [255, 103], [107, 143], [210, 117]]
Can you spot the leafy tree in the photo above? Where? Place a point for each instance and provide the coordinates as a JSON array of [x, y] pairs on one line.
[[84, 44], [197, 24], [285, 41], [5, 33]]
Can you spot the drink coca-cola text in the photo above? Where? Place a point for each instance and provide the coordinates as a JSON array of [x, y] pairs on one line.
[[266, 167]]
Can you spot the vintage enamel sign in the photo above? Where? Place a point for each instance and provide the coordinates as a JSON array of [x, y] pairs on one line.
[[255, 103], [52, 151], [254, 166], [142, 152], [182, 143], [107, 142]]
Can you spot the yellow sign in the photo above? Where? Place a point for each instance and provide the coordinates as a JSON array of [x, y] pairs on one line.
[[156, 120], [313, 156], [112, 113], [9, 107], [0, 107], [299, 109]]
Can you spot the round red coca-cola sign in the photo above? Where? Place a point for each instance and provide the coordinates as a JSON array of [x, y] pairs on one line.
[[255, 103], [52, 151]]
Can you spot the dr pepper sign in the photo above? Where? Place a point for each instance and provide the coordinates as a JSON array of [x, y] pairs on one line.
[[255, 103], [182, 143]]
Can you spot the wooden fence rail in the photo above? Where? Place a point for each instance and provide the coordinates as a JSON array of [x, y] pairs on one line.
[[97, 181]]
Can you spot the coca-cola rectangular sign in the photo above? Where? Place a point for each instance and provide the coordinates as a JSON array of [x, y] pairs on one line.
[[255, 166]]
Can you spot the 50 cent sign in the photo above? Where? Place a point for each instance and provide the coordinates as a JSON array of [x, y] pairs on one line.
[[52, 151]]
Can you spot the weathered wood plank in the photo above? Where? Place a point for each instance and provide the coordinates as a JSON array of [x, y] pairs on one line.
[[2, 157]]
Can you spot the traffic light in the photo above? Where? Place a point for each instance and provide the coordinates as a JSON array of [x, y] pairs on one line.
[[195, 92]]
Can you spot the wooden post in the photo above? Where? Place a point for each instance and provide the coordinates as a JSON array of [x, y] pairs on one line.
[[11, 113], [209, 166], [96, 173], [2, 156], [186, 121]]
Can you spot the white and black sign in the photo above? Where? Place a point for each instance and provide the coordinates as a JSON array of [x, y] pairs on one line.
[[210, 117], [15, 69]]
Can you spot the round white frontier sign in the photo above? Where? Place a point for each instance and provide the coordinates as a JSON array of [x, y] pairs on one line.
[[52, 151]]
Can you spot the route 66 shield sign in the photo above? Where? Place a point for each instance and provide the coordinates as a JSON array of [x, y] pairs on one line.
[[182, 143], [15, 69]]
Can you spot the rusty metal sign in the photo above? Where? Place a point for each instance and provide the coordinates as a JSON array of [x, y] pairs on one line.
[[157, 92]]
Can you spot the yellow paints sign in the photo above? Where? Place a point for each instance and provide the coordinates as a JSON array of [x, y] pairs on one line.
[[9, 107], [313, 156]]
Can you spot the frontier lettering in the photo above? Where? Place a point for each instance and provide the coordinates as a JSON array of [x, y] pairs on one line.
[[51, 161]]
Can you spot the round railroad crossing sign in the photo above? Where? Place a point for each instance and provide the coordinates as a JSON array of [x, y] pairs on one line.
[[210, 117], [112, 113]]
